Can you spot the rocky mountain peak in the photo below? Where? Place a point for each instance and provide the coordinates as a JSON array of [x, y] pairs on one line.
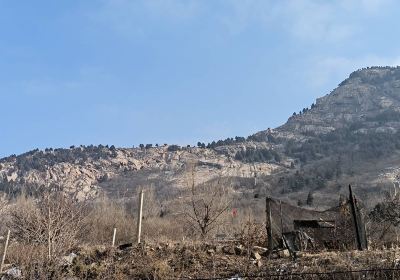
[[370, 97]]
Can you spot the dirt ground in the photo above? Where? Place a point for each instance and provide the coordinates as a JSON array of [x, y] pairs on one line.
[[207, 261]]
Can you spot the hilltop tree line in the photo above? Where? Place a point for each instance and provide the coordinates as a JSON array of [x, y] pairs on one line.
[[38, 159], [305, 110], [368, 77], [348, 141]]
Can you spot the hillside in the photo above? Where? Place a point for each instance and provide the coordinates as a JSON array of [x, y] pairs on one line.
[[348, 136], [90, 170], [351, 135]]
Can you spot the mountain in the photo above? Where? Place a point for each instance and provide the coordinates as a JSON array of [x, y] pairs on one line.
[[369, 98], [92, 169], [351, 135]]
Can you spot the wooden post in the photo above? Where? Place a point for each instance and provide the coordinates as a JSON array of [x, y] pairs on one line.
[[280, 214], [114, 234], [269, 224], [49, 228], [355, 219], [5, 251], [140, 214]]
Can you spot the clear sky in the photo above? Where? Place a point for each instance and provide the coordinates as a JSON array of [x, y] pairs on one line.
[[126, 72]]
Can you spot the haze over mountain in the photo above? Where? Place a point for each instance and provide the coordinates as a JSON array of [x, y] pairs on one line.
[[351, 135]]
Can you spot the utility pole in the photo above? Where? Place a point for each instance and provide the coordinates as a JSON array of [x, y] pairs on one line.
[[140, 215]]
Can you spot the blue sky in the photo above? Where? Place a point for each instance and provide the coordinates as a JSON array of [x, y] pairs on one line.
[[126, 72]]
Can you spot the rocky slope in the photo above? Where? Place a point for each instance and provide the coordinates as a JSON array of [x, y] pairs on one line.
[[351, 135], [370, 97], [84, 169]]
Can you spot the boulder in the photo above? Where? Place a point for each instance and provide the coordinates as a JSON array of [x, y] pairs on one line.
[[261, 250], [14, 273], [255, 255], [68, 260], [284, 253]]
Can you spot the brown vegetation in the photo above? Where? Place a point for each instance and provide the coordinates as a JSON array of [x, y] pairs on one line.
[[54, 235], [207, 203]]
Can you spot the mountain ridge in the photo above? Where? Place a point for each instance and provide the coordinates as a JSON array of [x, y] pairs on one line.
[[320, 147]]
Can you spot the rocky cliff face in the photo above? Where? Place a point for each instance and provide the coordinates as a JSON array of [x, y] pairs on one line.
[[369, 97], [77, 169]]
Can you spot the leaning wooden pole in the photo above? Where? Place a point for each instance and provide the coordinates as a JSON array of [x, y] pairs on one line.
[[140, 215], [5, 252], [355, 218], [269, 224]]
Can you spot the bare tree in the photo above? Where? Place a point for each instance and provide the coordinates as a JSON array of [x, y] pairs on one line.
[[385, 216], [207, 204], [55, 219]]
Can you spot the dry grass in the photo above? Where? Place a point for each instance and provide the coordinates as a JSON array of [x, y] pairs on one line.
[[103, 217], [34, 262], [204, 260], [171, 246]]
